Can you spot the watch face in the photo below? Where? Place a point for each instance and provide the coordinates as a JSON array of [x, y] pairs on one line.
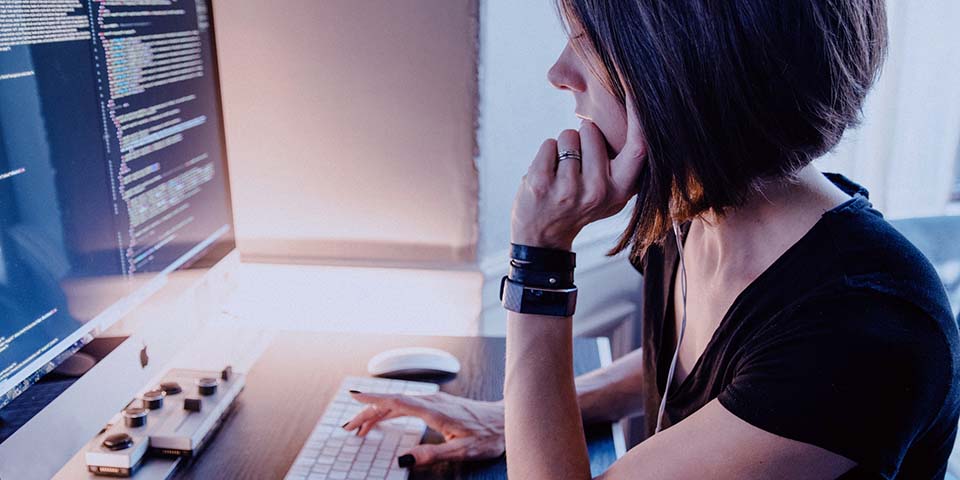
[[518, 298]]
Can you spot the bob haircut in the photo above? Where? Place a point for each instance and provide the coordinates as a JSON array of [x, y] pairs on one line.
[[730, 94]]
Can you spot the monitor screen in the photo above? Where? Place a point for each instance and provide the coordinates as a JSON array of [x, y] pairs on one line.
[[112, 167]]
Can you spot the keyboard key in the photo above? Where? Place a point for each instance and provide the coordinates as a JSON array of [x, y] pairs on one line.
[[364, 457], [330, 420], [300, 470], [331, 450], [391, 446]]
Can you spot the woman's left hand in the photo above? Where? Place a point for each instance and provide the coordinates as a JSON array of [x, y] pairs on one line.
[[473, 429], [555, 201]]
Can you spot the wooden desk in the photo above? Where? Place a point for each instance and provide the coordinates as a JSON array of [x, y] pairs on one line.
[[289, 386]]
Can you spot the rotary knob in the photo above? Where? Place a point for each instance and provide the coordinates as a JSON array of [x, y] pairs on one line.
[[170, 388], [134, 417], [207, 386], [118, 441], [153, 400]]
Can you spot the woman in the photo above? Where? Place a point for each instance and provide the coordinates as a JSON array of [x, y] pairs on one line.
[[794, 333]]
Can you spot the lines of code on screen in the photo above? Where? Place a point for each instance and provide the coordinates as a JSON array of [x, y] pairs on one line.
[[112, 168], [150, 59]]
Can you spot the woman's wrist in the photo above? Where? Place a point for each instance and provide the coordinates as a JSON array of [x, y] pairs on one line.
[[539, 241], [558, 245]]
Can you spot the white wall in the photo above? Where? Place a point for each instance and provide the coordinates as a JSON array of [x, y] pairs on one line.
[[906, 149], [351, 127], [519, 41]]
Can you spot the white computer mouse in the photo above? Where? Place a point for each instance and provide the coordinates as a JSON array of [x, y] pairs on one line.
[[413, 361]]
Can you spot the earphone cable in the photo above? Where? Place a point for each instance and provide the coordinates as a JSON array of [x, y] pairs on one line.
[[683, 327]]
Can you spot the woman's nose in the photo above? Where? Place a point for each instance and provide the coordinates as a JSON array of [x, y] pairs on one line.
[[564, 75]]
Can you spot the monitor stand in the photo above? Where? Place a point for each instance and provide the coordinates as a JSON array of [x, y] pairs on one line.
[[23, 408], [76, 365]]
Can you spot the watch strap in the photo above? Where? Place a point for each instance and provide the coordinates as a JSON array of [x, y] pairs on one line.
[[534, 278]]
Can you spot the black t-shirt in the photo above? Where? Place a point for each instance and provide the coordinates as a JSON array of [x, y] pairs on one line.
[[846, 342]]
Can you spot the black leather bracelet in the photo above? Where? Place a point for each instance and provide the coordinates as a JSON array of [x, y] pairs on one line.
[[536, 278], [543, 259]]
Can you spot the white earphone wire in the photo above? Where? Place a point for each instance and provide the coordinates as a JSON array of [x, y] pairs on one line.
[[683, 327]]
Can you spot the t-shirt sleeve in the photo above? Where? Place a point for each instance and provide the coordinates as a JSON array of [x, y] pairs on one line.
[[859, 375]]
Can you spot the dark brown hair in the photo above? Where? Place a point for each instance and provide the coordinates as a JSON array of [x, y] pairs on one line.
[[730, 94]]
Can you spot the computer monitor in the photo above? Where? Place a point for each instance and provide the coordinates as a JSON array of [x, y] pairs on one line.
[[113, 191]]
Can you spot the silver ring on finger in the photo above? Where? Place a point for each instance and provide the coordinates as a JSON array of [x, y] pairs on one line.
[[569, 155]]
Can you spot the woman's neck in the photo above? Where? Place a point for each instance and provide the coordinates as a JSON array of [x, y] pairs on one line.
[[748, 239]]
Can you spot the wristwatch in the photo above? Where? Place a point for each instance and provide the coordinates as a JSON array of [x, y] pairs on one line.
[[520, 298]]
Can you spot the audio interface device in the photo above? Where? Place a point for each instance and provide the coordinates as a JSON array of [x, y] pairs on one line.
[[174, 419]]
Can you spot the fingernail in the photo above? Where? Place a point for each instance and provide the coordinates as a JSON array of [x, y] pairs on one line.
[[406, 461], [355, 391], [345, 425]]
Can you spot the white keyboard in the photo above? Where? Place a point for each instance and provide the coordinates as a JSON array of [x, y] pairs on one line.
[[334, 453]]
